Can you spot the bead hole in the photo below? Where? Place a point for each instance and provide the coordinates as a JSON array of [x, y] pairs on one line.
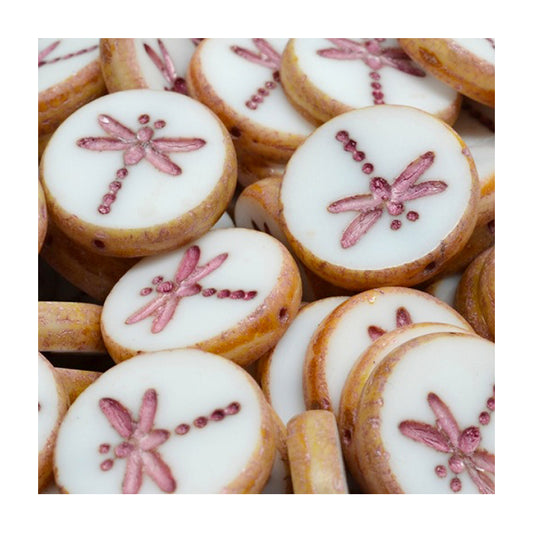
[[430, 266]]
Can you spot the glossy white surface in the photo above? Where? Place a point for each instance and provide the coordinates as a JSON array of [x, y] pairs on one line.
[[78, 177], [253, 264], [350, 337], [321, 172], [349, 81], [235, 80], [189, 384], [483, 48], [460, 371], [285, 376]]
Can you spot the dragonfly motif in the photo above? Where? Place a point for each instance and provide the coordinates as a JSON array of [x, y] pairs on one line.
[[45, 52], [141, 441], [140, 144], [167, 68], [375, 56], [463, 446], [185, 284], [385, 196], [140, 444], [137, 146], [266, 57]]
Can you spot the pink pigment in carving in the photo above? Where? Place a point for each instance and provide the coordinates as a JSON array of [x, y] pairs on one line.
[[167, 68], [104, 448], [491, 403], [484, 418], [403, 318], [184, 284], [375, 56], [136, 147], [50, 48], [141, 144], [267, 57], [182, 429], [141, 441], [386, 196], [107, 465], [201, 422], [463, 447], [140, 444], [351, 146]]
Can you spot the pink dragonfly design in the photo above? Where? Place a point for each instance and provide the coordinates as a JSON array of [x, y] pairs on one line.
[[43, 54], [374, 55], [141, 144], [462, 446], [266, 57], [136, 147], [185, 284], [386, 196], [403, 318], [140, 443], [141, 440], [167, 68]]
